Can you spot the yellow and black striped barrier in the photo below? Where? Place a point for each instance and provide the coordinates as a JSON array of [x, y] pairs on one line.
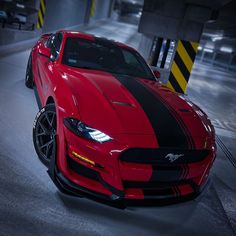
[[182, 65], [93, 8], [41, 14]]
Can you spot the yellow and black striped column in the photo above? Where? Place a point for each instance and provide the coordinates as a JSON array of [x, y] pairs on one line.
[[41, 14], [182, 65], [93, 8]]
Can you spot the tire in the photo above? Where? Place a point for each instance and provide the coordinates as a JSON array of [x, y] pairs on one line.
[[44, 131], [29, 81]]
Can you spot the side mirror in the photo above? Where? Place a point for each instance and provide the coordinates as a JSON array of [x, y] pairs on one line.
[[157, 73], [45, 51]]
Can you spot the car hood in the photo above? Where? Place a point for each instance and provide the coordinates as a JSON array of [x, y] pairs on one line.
[[117, 105]]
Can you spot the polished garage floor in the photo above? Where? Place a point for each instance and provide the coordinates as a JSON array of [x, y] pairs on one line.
[[31, 205]]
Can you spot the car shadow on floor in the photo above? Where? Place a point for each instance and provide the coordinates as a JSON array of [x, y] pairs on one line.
[[148, 215]]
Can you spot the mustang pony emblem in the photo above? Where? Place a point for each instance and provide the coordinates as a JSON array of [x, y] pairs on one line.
[[172, 157]]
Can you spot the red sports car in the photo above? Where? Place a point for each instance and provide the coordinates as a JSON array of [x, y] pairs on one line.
[[108, 128]]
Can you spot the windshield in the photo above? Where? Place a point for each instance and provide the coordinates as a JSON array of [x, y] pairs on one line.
[[106, 56]]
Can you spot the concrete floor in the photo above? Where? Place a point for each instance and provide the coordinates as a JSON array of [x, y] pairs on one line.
[[31, 205]]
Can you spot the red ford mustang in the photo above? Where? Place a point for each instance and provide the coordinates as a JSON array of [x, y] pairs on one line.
[[108, 128]]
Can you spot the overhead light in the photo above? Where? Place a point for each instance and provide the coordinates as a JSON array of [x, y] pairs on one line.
[[217, 38], [20, 5], [226, 49], [208, 50], [199, 48]]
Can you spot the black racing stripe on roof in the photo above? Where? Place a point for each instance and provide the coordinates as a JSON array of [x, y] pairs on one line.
[[167, 129], [105, 42]]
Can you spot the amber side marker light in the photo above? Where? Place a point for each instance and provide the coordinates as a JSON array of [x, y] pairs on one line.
[[83, 158]]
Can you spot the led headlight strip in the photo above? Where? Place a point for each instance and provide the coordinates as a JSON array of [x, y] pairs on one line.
[[83, 130]]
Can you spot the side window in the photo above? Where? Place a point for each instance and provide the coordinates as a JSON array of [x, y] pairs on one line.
[[130, 59], [54, 43], [134, 61]]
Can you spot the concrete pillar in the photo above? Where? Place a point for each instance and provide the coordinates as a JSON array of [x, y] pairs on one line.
[[166, 50], [87, 12], [203, 55], [230, 61], [156, 52], [175, 20], [64, 14], [32, 18], [145, 45], [213, 58]]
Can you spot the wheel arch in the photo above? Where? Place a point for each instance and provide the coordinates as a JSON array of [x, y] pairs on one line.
[[50, 99]]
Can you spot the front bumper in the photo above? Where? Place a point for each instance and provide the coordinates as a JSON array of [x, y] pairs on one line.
[[123, 173]]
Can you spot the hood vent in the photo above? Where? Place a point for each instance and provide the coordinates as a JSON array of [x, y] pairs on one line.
[[184, 110], [123, 103]]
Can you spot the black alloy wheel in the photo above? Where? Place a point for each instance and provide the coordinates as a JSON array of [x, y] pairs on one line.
[[29, 81], [44, 133]]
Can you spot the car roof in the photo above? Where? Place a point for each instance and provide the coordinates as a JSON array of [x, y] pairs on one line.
[[79, 34]]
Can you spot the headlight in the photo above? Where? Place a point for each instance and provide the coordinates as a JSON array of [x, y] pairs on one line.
[[82, 130]]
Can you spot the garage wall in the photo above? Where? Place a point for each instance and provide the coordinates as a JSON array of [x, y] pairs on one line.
[[61, 14]]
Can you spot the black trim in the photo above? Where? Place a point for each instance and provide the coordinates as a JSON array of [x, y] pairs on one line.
[[37, 98], [157, 156], [167, 129], [82, 170], [41, 54], [154, 184], [166, 173], [92, 174], [159, 193], [62, 182], [115, 191]]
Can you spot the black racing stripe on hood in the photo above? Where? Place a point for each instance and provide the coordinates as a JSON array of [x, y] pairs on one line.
[[178, 118], [168, 131]]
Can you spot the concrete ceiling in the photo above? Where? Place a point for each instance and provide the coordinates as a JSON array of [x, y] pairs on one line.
[[221, 32], [213, 4]]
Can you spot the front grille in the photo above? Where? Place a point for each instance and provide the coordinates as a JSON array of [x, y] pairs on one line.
[[160, 156], [168, 177]]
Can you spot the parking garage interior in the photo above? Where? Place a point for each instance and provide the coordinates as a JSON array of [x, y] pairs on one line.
[[29, 202]]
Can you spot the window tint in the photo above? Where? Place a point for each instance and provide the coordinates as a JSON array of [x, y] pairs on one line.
[[131, 59], [54, 43], [105, 56]]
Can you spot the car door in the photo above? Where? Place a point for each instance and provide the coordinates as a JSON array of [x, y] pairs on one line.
[[46, 65]]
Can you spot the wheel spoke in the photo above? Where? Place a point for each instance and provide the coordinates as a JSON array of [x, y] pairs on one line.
[[47, 118], [45, 133], [41, 134], [45, 130], [47, 150], [47, 144], [52, 120]]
